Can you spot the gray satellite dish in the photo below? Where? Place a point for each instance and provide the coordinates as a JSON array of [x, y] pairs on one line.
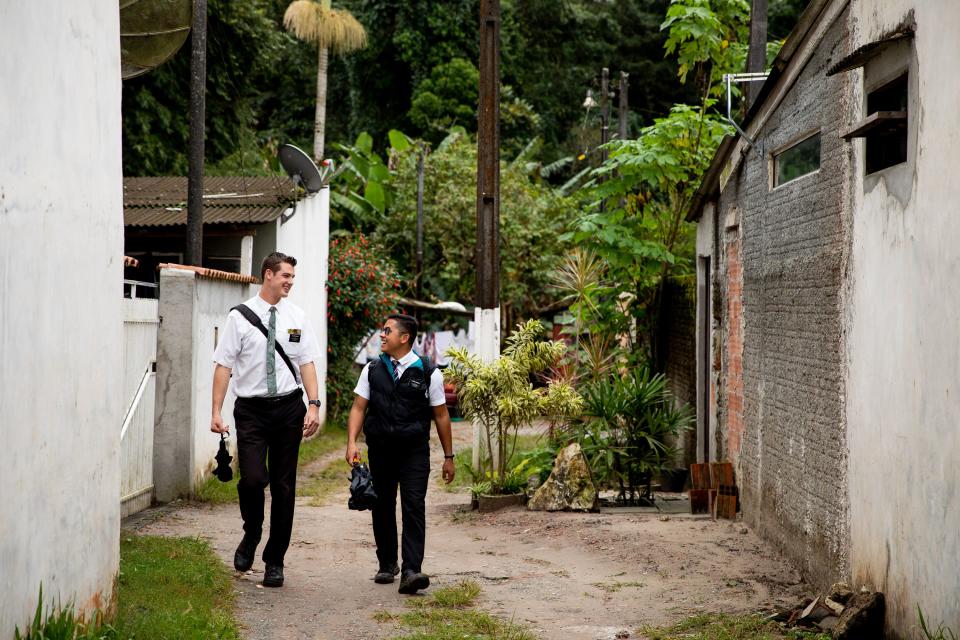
[[151, 31], [301, 169]]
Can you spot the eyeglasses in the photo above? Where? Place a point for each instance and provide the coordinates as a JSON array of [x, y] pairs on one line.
[[385, 331]]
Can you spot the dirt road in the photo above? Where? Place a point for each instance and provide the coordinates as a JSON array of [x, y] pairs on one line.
[[567, 576]]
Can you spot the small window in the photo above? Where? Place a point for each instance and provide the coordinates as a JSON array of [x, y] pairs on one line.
[[799, 160], [887, 144]]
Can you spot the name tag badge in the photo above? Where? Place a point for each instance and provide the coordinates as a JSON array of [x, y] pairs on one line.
[[294, 335]]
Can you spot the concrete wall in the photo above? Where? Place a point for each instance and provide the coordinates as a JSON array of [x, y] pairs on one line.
[[306, 236], [61, 267], [193, 310], [903, 345], [781, 274]]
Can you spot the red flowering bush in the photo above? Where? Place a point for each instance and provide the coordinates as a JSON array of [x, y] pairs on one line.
[[362, 288]]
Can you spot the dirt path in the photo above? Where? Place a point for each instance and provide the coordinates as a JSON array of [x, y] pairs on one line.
[[567, 576]]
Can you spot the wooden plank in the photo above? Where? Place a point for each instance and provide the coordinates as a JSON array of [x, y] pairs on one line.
[[699, 500], [700, 476], [877, 120]]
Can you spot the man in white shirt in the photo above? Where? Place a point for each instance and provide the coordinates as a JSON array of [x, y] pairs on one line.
[[269, 347], [397, 396]]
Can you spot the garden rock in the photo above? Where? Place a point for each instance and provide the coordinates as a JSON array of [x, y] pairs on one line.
[[862, 619], [570, 485]]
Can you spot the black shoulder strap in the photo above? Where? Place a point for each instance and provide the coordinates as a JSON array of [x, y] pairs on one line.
[[253, 319]]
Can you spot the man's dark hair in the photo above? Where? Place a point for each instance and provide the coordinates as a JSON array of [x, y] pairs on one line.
[[273, 262], [406, 324]]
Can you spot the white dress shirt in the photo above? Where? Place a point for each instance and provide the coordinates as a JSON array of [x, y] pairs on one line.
[[435, 393], [243, 349]]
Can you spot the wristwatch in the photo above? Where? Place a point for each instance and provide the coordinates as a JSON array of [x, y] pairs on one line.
[[449, 457], [315, 403]]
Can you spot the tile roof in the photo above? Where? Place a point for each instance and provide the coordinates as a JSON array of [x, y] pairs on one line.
[[162, 201], [213, 274]]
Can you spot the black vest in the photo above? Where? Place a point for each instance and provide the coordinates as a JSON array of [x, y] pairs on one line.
[[398, 412]]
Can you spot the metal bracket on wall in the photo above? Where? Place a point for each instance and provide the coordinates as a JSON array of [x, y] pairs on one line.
[[729, 79]]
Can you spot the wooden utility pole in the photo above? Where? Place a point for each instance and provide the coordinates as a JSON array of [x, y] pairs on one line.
[[198, 86], [487, 313], [757, 54]]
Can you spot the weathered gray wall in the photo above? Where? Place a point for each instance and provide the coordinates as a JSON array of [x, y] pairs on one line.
[[904, 329], [61, 325], [781, 395]]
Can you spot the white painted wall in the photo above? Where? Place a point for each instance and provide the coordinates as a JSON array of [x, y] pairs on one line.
[[306, 237], [194, 310], [213, 301], [903, 409], [61, 268]]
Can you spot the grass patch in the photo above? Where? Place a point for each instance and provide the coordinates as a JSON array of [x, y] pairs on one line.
[[448, 614], [173, 588], [332, 438], [464, 478], [724, 627], [321, 484]]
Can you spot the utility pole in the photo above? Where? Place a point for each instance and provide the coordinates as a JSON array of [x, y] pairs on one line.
[[604, 120], [198, 86], [622, 109], [487, 313], [420, 158], [757, 54], [604, 112]]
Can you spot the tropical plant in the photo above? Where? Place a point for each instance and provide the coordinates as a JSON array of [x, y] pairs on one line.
[[532, 218], [361, 187], [330, 29], [500, 398], [361, 290], [628, 428]]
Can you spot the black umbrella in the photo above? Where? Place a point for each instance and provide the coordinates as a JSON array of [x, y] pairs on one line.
[[362, 495], [223, 471]]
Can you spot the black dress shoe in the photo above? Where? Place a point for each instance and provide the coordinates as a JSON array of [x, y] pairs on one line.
[[386, 574], [243, 558], [273, 576], [413, 581]]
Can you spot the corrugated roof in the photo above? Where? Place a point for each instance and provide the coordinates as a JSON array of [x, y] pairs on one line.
[[162, 201]]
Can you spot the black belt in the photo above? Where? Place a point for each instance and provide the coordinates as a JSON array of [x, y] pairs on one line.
[[298, 392]]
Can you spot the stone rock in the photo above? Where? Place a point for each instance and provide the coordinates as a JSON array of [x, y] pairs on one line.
[[570, 485], [840, 592], [862, 619]]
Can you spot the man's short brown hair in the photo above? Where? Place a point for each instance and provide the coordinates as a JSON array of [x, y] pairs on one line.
[[273, 262]]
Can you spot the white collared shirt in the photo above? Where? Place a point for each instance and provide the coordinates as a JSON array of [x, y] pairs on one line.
[[242, 348], [436, 395]]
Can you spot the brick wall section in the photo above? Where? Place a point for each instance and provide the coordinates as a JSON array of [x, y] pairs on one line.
[[793, 242], [734, 350]]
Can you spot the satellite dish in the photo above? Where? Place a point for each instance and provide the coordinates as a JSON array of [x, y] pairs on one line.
[[151, 31], [301, 169]]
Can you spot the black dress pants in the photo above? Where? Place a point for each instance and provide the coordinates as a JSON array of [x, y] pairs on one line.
[[269, 431], [406, 465]]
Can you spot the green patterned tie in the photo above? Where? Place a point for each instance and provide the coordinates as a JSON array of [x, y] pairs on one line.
[[271, 356]]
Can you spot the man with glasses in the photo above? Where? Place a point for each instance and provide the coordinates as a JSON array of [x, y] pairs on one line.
[[397, 396]]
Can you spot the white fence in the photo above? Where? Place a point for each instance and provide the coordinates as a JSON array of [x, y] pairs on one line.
[[140, 321]]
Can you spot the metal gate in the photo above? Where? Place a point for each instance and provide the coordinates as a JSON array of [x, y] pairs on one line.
[[140, 322]]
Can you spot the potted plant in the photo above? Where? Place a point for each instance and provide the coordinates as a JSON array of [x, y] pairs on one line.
[[500, 397]]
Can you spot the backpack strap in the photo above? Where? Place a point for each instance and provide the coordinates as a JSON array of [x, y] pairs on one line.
[[254, 319]]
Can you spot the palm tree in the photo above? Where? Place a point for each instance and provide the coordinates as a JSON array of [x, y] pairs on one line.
[[333, 30]]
